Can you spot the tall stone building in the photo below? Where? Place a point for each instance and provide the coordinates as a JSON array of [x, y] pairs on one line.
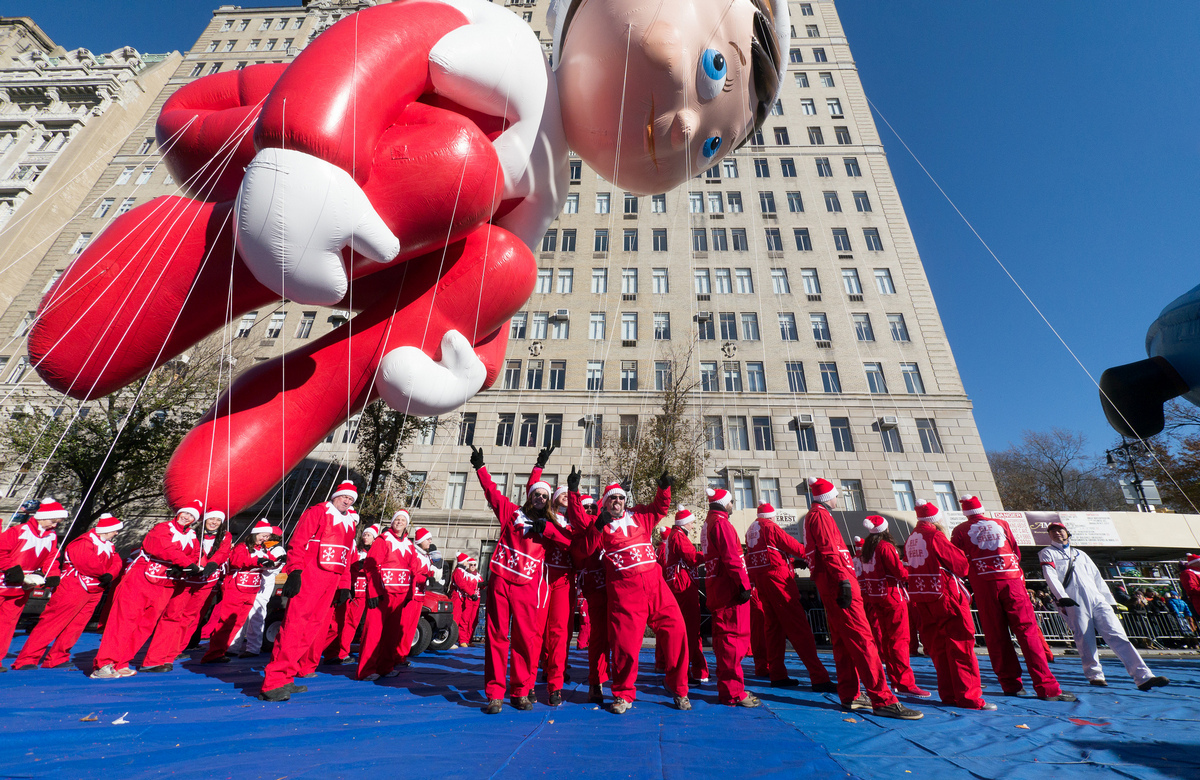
[[784, 281]]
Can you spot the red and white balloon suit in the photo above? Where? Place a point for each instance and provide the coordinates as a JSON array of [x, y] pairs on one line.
[[391, 569], [680, 559], [33, 549], [882, 579], [1002, 600], [943, 607], [770, 551], [727, 592]]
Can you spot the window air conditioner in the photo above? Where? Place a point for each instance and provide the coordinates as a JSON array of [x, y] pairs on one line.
[[704, 316], [889, 421], [804, 420], [562, 314]]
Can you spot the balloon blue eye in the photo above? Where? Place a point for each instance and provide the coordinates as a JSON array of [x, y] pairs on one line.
[[711, 146], [711, 75]]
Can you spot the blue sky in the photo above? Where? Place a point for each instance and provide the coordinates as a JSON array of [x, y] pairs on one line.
[[1067, 132]]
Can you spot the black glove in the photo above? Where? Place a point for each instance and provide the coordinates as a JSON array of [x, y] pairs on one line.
[[476, 457], [799, 563], [292, 586], [373, 602], [744, 596], [105, 580], [604, 519], [1067, 603], [573, 480], [665, 481], [208, 569], [191, 570], [845, 595], [544, 455], [341, 596], [539, 525], [14, 575], [52, 582], [174, 571]]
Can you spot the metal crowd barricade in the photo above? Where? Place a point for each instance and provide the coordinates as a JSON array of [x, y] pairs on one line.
[[820, 626]]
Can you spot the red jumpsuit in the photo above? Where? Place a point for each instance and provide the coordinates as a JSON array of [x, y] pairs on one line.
[[593, 633], [556, 639], [758, 637], [390, 570], [769, 564], [1189, 584], [348, 616], [885, 600], [238, 593], [583, 639], [725, 578], [322, 547], [182, 615], [144, 592], [464, 594], [637, 595], [411, 613], [679, 559], [28, 546], [854, 653], [944, 611], [517, 601], [74, 600], [1003, 603]]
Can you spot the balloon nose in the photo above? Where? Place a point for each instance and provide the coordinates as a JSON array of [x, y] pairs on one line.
[[683, 128]]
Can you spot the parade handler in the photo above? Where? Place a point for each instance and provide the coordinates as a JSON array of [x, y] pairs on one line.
[[25, 550]]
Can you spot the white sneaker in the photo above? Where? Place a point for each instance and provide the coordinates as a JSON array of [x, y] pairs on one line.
[[105, 673], [126, 672]]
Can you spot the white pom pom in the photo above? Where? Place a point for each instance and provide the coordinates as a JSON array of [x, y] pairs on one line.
[[710, 492], [921, 502], [812, 481]]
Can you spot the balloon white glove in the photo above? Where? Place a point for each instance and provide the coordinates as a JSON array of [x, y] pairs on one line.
[[295, 212], [410, 382]]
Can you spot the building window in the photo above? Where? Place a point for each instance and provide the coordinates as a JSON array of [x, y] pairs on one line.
[[504, 429], [662, 375], [875, 381], [843, 134], [750, 326], [596, 326], [862, 327], [732, 373], [629, 326], [512, 375], [803, 240], [629, 281], [883, 280], [729, 168], [124, 176], [708, 376], [841, 240], [795, 375], [898, 328], [819, 55], [545, 280], [806, 438], [716, 204], [795, 202], [628, 428], [629, 375], [842, 440], [720, 242], [572, 204], [246, 324], [658, 204], [761, 169], [593, 432], [945, 497], [126, 205], [774, 240], [830, 380], [568, 240], [787, 327], [824, 170], [275, 324], [630, 240], [466, 429], [794, 55], [812, 282], [781, 137], [707, 329], [815, 136], [566, 281], [576, 170], [456, 489], [659, 236], [662, 326], [147, 145], [631, 203], [25, 324], [852, 496], [696, 202], [776, 108], [144, 176], [595, 375], [529, 430], [808, 105], [600, 243], [541, 320], [714, 433], [724, 281], [756, 137], [560, 329], [728, 326], [820, 326], [832, 204], [600, 280], [81, 242], [516, 326], [862, 202], [735, 202], [756, 377], [779, 281], [835, 109], [871, 236], [931, 441], [558, 374], [703, 283], [699, 240], [763, 440], [739, 435], [766, 201], [903, 491], [304, 327], [740, 243], [533, 374], [603, 202], [850, 281], [852, 168], [659, 279], [745, 281], [912, 378], [550, 241]]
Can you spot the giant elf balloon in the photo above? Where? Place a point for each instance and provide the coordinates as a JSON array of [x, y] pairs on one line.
[[419, 148]]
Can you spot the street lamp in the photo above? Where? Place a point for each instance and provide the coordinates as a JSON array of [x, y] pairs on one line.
[[1141, 492]]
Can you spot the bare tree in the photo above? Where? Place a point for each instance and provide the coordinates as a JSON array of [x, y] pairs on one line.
[[383, 436], [1054, 470]]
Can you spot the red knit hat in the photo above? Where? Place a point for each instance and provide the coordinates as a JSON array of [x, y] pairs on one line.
[[193, 508], [399, 512], [422, 534], [875, 524], [858, 543], [971, 506], [926, 511], [683, 516], [346, 489], [1192, 561], [462, 558], [821, 489], [50, 509], [766, 511], [614, 489], [107, 524], [719, 496]]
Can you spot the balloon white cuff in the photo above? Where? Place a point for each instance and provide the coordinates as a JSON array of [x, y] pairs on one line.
[[410, 381]]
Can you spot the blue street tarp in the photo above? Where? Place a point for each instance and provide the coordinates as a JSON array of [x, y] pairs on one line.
[[204, 722]]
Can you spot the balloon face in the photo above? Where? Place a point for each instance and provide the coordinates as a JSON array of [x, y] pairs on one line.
[[653, 93]]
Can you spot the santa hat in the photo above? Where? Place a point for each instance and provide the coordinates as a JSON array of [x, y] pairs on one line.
[[107, 524], [50, 509], [1192, 561], [276, 531], [926, 511], [614, 489], [346, 489], [683, 517], [193, 508], [971, 506], [587, 501], [719, 496], [423, 534], [821, 489], [401, 513], [262, 527], [541, 485], [766, 511], [462, 558], [858, 542], [217, 513], [875, 524], [561, 490], [373, 528], [472, 559]]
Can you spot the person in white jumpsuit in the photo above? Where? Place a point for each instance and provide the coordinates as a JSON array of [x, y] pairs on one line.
[[1086, 603], [249, 639]]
